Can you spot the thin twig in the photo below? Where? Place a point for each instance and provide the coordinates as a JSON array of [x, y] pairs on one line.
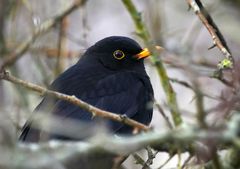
[[43, 28], [72, 99], [181, 82], [139, 160], [62, 46], [165, 163], [201, 114], [187, 161], [118, 162], [179, 161], [141, 30], [212, 28], [161, 111], [151, 157]]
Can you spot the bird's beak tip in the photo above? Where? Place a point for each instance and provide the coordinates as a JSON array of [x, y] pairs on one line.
[[146, 53], [143, 54]]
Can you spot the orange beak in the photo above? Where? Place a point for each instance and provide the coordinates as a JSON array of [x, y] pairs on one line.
[[143, 54]]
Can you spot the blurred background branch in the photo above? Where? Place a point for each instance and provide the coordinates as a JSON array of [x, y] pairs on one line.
[[43, 28], [67, 152]]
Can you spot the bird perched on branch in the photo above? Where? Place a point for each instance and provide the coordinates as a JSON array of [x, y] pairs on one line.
[[111, 76]]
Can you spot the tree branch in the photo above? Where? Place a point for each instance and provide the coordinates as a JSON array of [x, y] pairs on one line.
[[72, 99]]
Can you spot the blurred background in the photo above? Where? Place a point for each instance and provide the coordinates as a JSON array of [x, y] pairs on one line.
[[170, 23]]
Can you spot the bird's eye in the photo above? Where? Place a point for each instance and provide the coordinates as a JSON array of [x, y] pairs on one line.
[[118, 54]]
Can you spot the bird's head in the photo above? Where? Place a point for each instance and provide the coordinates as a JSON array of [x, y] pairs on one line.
[[117, 53]]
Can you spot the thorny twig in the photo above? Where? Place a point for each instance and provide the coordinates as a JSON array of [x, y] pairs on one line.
[[142, 32], [218, 39]]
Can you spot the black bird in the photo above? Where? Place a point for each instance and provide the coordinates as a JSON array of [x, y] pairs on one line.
[[111, 76]]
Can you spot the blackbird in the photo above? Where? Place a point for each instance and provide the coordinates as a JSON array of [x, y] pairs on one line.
[[111, 76]]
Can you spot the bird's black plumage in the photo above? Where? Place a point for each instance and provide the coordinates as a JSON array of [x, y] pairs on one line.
[[105, 79]]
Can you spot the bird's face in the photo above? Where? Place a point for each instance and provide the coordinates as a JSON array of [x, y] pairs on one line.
[[117, 53]]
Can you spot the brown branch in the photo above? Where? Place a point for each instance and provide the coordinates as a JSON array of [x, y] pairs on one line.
[[62, 46], [218, 39], [12, 57], [53, 52], [74, 100]]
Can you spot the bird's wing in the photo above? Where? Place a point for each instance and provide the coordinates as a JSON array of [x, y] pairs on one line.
[[74, 81], [122, 93]]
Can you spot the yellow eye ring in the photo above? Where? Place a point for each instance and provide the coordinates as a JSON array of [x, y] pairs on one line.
[[118, 54]]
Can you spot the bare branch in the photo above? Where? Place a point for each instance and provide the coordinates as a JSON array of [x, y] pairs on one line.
[[72, 99]]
